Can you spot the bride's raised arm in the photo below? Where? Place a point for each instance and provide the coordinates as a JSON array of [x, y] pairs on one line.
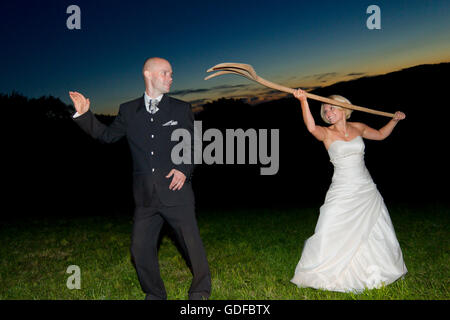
[[381, 134], [318, 132]]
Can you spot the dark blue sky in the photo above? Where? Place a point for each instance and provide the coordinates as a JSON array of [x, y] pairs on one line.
[[295, 43]]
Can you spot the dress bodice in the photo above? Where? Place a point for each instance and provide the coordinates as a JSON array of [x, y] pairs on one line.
[[348, 157], [345, 152]]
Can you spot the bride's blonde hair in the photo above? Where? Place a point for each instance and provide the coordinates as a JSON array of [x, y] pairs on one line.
[[336, 97]]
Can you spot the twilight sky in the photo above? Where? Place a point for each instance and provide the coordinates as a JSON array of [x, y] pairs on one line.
[[294, 43]]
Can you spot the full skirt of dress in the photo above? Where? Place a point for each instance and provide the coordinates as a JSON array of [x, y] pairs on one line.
[[354, 246]]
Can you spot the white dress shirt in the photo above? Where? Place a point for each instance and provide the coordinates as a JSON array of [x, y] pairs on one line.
[[147, 100]]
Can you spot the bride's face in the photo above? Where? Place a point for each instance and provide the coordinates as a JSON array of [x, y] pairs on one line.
[[333, 114]]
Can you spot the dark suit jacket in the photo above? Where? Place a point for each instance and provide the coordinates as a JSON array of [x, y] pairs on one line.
[[151, 146]]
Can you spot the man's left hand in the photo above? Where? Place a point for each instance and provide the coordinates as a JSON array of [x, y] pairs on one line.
[[178, 179]]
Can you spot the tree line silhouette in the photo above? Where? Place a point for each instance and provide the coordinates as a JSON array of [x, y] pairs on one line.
[[53, 168]]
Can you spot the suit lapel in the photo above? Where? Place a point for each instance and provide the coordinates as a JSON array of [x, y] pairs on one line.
[[164, 103], [164, 113], [141, 106]]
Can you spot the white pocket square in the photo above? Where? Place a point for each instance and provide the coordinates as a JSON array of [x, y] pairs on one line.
[[170, 123]]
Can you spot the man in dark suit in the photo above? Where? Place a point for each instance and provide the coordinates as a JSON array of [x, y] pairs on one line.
[[162, 190]]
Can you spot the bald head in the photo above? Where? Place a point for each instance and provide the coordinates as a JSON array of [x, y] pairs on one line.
[[157, 73], [154, 64]]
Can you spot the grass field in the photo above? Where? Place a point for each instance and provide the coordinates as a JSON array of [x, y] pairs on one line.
[[252, 256]]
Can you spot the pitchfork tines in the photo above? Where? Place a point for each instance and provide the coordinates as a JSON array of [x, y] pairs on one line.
[[248, 72]]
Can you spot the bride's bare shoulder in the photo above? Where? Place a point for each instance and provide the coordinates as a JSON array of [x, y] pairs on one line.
[[358, 126]]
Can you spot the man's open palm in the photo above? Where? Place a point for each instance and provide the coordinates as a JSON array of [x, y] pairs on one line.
[[80, 103]]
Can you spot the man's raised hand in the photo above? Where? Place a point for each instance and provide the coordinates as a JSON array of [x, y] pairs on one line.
[[80, 103]]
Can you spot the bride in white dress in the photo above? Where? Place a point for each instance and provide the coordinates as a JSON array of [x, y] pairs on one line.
[[354, 246]]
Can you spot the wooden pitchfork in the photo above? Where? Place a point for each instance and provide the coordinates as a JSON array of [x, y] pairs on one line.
[[248, 72]]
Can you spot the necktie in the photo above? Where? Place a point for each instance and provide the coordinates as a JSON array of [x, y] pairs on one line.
[[154, 106]]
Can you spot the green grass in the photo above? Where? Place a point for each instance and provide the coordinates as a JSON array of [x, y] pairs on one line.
[[252, 255]]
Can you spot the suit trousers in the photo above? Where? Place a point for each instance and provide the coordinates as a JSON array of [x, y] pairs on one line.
[[147, 225]]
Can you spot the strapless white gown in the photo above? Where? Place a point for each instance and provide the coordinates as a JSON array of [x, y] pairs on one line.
[[354, 246]]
